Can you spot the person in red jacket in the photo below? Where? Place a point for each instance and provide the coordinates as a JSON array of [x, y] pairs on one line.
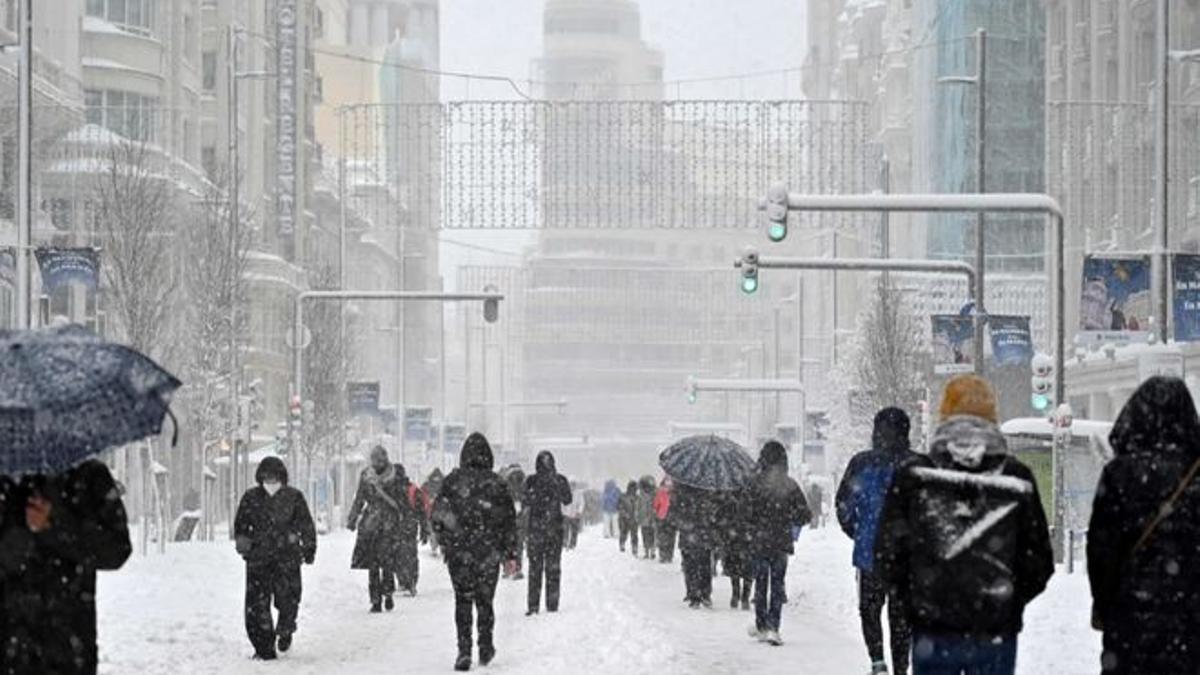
[[665, 537]]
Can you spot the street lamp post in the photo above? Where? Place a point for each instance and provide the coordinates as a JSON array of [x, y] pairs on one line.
[[25, 168], [762, 385]]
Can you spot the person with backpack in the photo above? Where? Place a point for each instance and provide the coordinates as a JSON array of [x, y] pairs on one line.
[[859, 503], [1142, 553], [546, 493], [963, 537], [476, 524]]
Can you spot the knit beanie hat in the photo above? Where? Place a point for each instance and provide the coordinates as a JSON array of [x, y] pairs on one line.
[[969, 395]]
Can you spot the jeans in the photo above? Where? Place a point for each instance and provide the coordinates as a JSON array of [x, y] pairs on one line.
[[697, 572], [935, 654], [545, 559], [610, 525], [770, 576], [873, 593], [267, 583], [629, 530]]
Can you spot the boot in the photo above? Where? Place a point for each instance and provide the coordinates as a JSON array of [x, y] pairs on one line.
[[375, 608], [285, 642], [879, 668], [486, 654], [388, 603], [463, 663], [737, 592]]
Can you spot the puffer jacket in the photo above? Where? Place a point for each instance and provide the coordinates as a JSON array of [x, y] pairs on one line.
[[473, 515]]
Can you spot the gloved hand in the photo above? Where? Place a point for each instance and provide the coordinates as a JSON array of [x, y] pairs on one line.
[[310, 557], [242, 543], [351, 525]]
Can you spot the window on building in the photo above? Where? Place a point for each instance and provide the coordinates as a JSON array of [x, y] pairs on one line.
[[208, 161], [319, 28], [126, 113], [208, 66], [135, 16], [93, 101]]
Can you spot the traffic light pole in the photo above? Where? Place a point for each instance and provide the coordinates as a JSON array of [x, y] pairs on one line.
[[780, 201], [758, 385], [490, 301]]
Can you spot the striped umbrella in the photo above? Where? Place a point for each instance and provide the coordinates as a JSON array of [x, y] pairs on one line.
[[707, 463]]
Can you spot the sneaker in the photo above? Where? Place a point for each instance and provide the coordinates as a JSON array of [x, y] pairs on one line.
[[389, 604], [285, 642], [754, 632], [772, 638], [463, 663], [486, 654], [375, 608], [879, 667]]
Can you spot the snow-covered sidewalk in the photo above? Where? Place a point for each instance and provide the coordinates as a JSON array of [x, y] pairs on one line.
[[182, 613]]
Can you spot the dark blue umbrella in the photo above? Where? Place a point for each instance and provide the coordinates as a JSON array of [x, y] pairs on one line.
[[707, 462], [66, 395]]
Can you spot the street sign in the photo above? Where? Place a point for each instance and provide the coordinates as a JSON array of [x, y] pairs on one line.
[[418, 423], [363, 398], [456, 435]]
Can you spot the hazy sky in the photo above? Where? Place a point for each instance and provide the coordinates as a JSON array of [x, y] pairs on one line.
[[698, 38]]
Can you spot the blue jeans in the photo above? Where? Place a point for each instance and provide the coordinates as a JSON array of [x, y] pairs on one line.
[[935, 654], [770, 571]]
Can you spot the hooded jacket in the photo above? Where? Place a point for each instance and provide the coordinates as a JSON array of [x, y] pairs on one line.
[[48, 579], [644, 509], [963, 533], [662, 500], [473, 516], [611, 501], [1148, 601], [772, 504], [865, 484], [546, 493], [628, 504], [274, 529]]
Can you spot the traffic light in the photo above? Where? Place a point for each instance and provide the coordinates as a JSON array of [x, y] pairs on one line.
[[749, 265], [491, 308], [1042, 383], [692, 391], [777, 212]]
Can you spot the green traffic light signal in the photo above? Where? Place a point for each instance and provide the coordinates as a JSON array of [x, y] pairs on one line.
[[777, 231], [1041, 402], [750, 285], [692, 397]]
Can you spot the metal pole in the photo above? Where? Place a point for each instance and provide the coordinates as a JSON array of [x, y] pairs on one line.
[[775, 358], [1161, 163], [885, 221], [980, 180], [441, 448], [802, 421], [233, 161], [25, 169], [483, 366], [467, 370]]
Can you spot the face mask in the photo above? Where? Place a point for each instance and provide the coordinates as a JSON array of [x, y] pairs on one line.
[[272, 487]]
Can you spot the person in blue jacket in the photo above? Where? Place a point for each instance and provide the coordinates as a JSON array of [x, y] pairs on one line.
[[610, 505], [860, 499]]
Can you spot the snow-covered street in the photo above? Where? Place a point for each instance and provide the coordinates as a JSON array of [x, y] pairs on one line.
[[182, 613]]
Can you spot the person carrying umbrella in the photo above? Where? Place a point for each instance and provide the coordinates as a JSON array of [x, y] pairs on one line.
[[65, 397], [546, 493], [274, 532]]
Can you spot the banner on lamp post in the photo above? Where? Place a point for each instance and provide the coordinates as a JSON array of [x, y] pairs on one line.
[[1012, 340], [1186, 277], [952, 343], [64, 266], [1115, 304]]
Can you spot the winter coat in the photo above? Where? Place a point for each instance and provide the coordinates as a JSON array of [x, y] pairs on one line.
[[644, 507], [433, 485], [733, 534], [662, 502], [694, 514], [473, 516], [772, 505], [865, 484], [611, 500], [48, 579], [628, 505], [963, 534], [274, 529], [1148, 601], [383, 517], [546, 493]]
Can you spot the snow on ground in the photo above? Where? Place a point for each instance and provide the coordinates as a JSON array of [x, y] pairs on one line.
[[182, 613]]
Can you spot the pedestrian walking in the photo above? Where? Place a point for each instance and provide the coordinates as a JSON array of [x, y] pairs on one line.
[[736, 559], [56, 531], [963, 537], [514, 480], [432, 486], [665, 534], [379, 513], [610, 506], [573, 519], [695, 514], [414, 530], [628, 517], [644, 515], [859, 502], [546, 493], [274, 532], [1143, 561], [772, 506], [476, 525], [816, 503]]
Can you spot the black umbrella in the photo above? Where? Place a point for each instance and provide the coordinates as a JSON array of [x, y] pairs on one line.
[[707, 462], [66, 395]]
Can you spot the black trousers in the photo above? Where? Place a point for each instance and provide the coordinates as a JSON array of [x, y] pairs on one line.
[[648, 540], [267, 584], [545, 559], [381, 581], [474, 588], [873, 593], [697, 572], [629, 530], [666, 541]]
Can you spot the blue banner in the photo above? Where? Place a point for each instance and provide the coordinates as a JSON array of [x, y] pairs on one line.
[[1012, 341], [418, 423], [1115, 303], [362, 398], [1186, 277], [456, 435], [952, 343], [64, 266]]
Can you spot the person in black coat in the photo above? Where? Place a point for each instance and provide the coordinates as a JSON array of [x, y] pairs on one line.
[[55, 533], [964, 538], [734, 541], [694, 513], [546, 492], [627, 517], [274, 532], [1146, 598], [773, 505], [379, 513], [476, 524]]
